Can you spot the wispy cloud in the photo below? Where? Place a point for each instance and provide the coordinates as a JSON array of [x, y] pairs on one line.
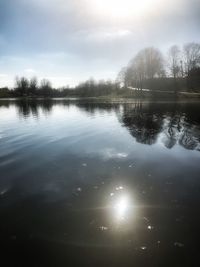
[[30, 71]]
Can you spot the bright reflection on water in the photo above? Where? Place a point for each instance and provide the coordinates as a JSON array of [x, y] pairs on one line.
[[99, 184], [121, 207]]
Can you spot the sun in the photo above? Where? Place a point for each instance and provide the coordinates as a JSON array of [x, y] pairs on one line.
[[121, 8]]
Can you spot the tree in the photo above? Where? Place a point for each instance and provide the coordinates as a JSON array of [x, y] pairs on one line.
[[192, 61], [22, 86], [153, 61], [174, 63], [146, 65], [192, 55], [45, 87], [33, 85], [121, 77]]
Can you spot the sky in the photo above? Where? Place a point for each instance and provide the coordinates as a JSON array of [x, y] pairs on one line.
[[69, 41]]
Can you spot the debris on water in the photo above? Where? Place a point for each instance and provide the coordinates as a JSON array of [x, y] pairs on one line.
[[119, 188], [158, 242], [149, 175], [95, 187], [143, 248], [103, 228], [111, 194], [178, 244], [79, 189], [84, 164], [150, 227], [131, 165]]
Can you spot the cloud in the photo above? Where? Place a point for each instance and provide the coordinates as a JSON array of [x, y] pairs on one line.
[[3, 75], [30, 71], [102, 35]]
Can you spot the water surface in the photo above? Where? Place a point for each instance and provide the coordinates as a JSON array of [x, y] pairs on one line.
[[99, 184]]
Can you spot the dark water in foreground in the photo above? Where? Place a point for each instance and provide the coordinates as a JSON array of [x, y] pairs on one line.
[[99, 184]]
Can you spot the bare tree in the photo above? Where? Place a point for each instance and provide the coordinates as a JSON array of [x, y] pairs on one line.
[[174, 61], [146, 65], [137, 69], [153, 61], [22, 86], [192, 56], [192, 64], [121, 77], [45, 87], [33, 85]]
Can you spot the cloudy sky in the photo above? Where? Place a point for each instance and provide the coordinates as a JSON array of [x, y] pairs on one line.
[[68, 41]]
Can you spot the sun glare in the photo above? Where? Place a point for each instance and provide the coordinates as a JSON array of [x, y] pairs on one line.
[[121, 207], [122, 8]]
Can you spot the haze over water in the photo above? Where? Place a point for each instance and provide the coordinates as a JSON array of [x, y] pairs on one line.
[[96, 184]]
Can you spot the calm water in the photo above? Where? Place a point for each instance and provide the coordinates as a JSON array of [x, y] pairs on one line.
[[88, 184]]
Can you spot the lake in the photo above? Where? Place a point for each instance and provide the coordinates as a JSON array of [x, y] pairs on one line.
[[85, 183]]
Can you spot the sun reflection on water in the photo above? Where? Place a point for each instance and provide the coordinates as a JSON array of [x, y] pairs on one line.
[[121, 207]]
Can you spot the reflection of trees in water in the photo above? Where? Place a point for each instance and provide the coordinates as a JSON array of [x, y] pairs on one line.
[[186, 135], [93, 107], [31, 107], [4, 103], [173, 123], [27, 108], [177, 124], [189, 139], [143, 123], [183, 128], [172, 129]]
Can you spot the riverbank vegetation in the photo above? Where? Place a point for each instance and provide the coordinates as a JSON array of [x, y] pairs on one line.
[[148, 74]]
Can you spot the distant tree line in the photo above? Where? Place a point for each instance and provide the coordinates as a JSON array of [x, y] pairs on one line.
[[178, 71], [32, 88]]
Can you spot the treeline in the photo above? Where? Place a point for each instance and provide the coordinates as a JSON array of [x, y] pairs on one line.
[[32, 88], [177, 71]]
